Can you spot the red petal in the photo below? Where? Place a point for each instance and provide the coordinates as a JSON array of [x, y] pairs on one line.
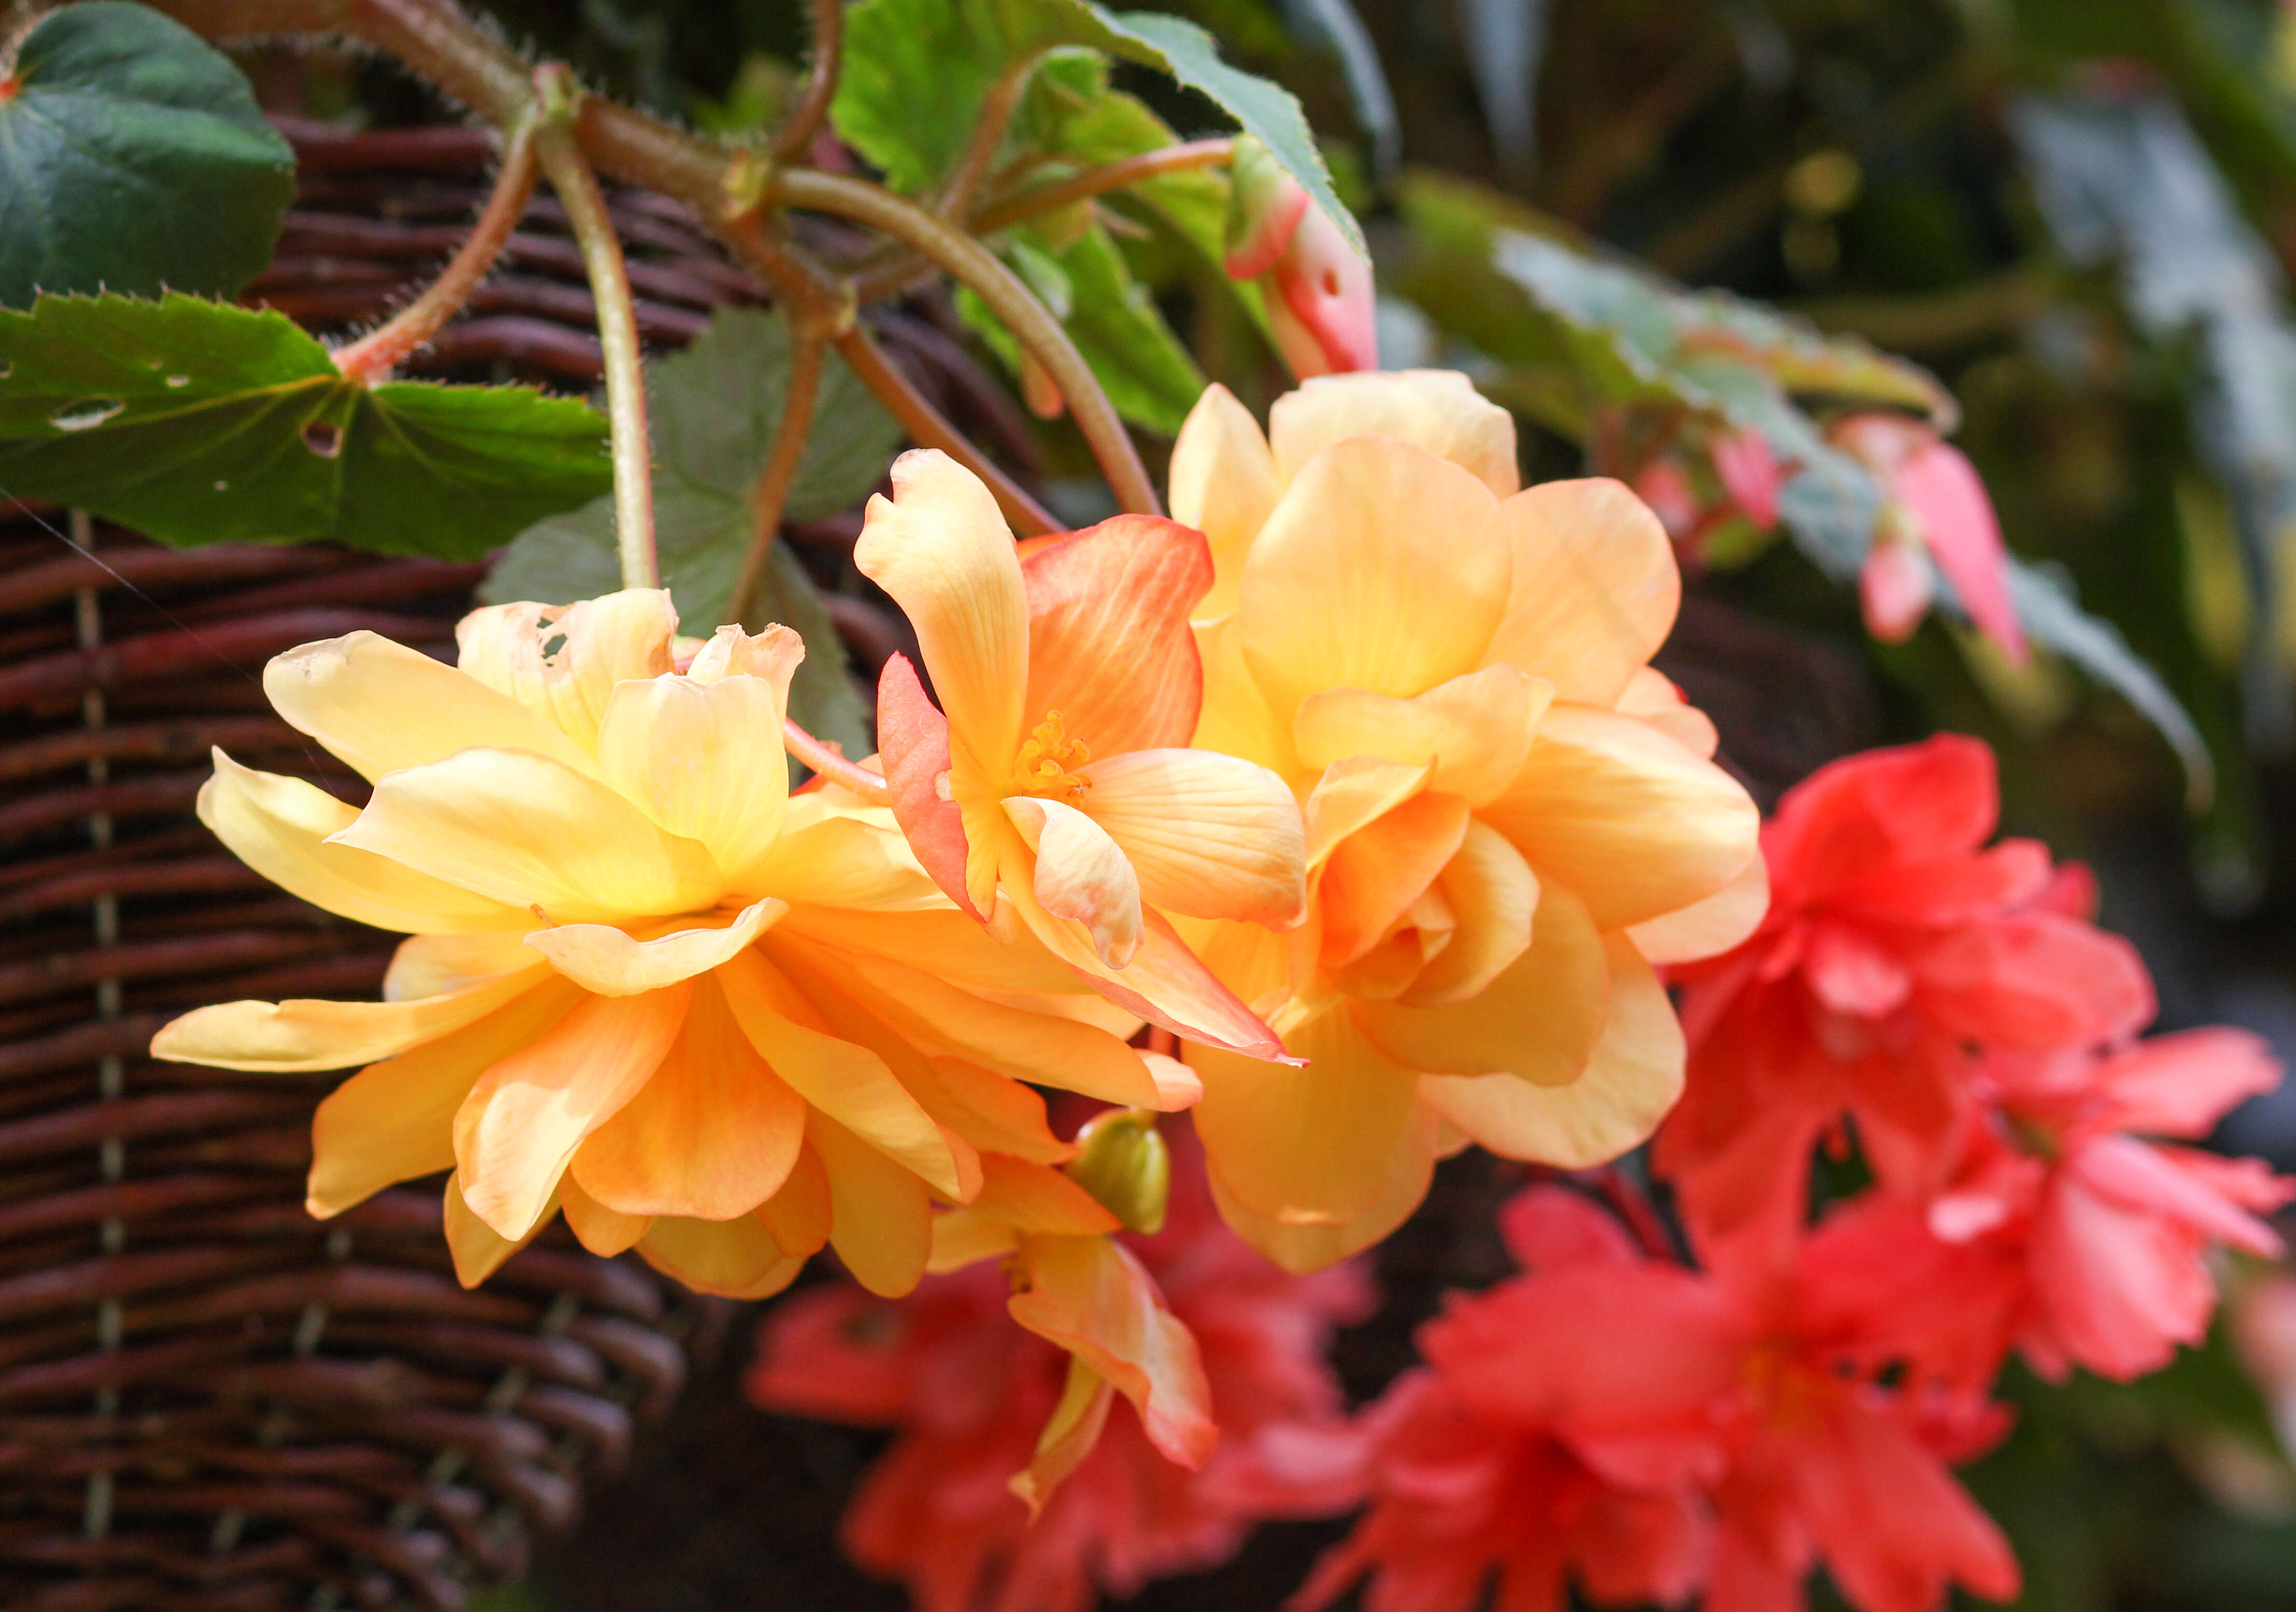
[[913, 743]]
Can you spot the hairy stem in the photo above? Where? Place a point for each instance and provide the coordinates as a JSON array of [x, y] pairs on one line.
[[780, 474], [372, 356], [577, 186], [812, 110], [830, 763], [928, 428]]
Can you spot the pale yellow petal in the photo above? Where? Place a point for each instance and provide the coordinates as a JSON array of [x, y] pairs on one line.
[[279, 827], [1595, 589], [288, 1037], [394, 1121], [704, 760], [1378, 569], [1651, 696], [1437, 409], [477, 1249], [601, 958], [833, 856], [381, 706], [1209, 835], [1236, 718], [772, 655], [1633, 822], [1302, 1249], [1080, 874], [1473, 731], [1537, 1020], [1711, 926], [439, 965], [562, 662], [529, 831], [942, 550], [521, 1122], [737, 1258], [1632, 1079], [1223, 483], [1304, 1146], [880, 1220], [1493, 898]]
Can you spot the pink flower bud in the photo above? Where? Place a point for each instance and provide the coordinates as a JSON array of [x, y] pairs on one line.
[[1749, 472], [1937, 500], [1264, 208], [1893, 590], [1320, 304], [1662, 485]]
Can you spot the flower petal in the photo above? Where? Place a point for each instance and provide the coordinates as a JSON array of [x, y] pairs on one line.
[[394, 1121], [1494, 896], [1378, 569], [1091, 1295], [1633, 823], [288, 1037], [1038, 1198], [1302, 1249], [1373, 876], [913, 740], [1439, 410], [1652, 696], [835, 856], [881, 1220], [712, 1135], [530, 832], [1069, 1435], [1594, 591], [1632, 1078], [799, 1213], [477, 1249], [1473, 731], [735, 1258], [1304, 1146], [1236, 719], [522, 1121], [380, 706], [279, 826], [601, 958], [993, 1111], [704, 760], [1081, 874], [562, 662], [1351, 795], [1223, 483], [1539, 1020], [603, 1231], [941, 548], [440, 965], [843, 1079], [1710, 926], [1209, 835], [1109, 645]]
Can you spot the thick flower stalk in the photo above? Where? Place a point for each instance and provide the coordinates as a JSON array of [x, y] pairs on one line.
[[1050, 793], [1510, 817], [643, 986]]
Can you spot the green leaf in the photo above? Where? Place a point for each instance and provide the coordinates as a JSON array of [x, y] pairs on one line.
[[716, 408], [133, 158], [199, 422], [918, 72]]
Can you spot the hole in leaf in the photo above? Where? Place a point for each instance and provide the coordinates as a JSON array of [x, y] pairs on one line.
[[88, 412], [323, 439]]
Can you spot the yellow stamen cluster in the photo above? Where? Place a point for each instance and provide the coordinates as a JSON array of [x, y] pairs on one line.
[[1048, 763]]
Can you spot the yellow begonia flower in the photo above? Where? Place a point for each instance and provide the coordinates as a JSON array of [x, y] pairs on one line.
[[646, 986], [1049, 794], [1510, 817]]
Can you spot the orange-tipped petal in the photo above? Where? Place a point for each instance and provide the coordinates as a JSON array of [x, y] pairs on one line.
[[881, 1219], [563, 663], [1081, 874], [477, 1249], [1109, 645], [1594, 591], [604, 1232], [1223, 483], [1494, 897], [1439, 410], [1473, 731], [601, 958], [1209, 835], [913, 742], [1375, 875]]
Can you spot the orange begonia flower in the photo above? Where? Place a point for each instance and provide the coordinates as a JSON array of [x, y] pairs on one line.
[[1510, 817], [645, 985], [1055, 796]]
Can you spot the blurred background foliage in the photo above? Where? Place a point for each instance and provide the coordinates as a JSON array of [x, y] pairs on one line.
[[2079, 216]]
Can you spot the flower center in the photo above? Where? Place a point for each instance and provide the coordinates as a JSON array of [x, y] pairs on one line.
[[1048, 761]]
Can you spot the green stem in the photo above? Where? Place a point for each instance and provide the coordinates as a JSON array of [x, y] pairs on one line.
[[1099, 181], [812, 110], [780, 474], [577, 186], [372, 356]]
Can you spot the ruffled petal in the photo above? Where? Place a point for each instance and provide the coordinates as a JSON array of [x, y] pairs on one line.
[[601, 958], [1373, 877], [1473, 731], [1223, 483], [1633, 822], [1439, 410], [562, 662], [1081, 874], [1209, 835], [1304, 1146], [1632, 1078], [1596, 587], [1538, 1019], [941, 548], [521, 1122], [1353, 794], [799, 1216], [288, 1037], [704, 760], [735, 1258], [880, 1220], [279, 826], [1303, 1248], [1109, 645], [993, 1111], [1379, 570], [712, 1135], [529, 831], [1494, 896], [380, 706]]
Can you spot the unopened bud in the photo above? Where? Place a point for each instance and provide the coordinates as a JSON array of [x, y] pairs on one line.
[[1123, 1163], [1264, 208]]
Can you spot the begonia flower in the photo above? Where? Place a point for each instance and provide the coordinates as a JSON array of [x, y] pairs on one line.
[[1510, 817], [959, 1370], [1896, 940], [1321, 307], [1051, 793], [643, 985], [1935, 506]]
